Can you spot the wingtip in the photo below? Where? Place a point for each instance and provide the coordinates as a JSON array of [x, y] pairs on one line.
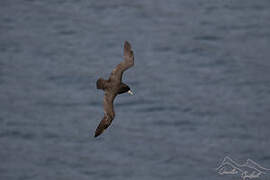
[[127, 50], [97, 134], [127, 45]]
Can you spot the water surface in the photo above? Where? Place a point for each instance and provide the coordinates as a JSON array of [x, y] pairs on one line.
[[201, 81]]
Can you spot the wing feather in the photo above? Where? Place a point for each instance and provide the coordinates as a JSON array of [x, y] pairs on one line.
[[108, 114], [104, 124], [124, 65]]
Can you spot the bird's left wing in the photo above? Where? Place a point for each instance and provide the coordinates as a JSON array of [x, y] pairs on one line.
[[124, 65]]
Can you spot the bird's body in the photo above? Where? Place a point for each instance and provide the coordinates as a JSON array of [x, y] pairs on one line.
[[114, 86]]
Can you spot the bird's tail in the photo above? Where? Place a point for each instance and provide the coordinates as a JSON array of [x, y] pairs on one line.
[[101, 84]]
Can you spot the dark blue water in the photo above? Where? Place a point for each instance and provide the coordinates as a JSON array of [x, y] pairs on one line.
[[201, 81]]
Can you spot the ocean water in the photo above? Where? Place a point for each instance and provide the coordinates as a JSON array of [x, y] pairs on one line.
[[201, 81]]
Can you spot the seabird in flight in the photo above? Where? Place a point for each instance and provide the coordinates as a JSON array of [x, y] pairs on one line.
[[114, 86]]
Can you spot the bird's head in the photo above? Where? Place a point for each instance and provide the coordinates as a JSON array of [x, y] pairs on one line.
[[125, 88]]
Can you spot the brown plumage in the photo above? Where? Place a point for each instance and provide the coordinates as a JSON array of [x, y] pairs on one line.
[[114, 86]]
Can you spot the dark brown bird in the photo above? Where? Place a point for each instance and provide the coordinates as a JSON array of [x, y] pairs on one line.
[[114, 86]]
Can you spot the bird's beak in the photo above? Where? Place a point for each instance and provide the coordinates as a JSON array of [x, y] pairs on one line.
[[130, 92]]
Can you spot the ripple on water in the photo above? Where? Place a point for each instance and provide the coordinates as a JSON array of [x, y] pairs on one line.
[[175, 123], [134, 103], [17, 134], [67, 79], [68, 104], [67, 32], [207, 38], [50, 135], [157, 109]]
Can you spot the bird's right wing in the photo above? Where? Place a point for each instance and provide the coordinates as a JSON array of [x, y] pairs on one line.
[[104, 124], [108, 113], [124, 65]]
